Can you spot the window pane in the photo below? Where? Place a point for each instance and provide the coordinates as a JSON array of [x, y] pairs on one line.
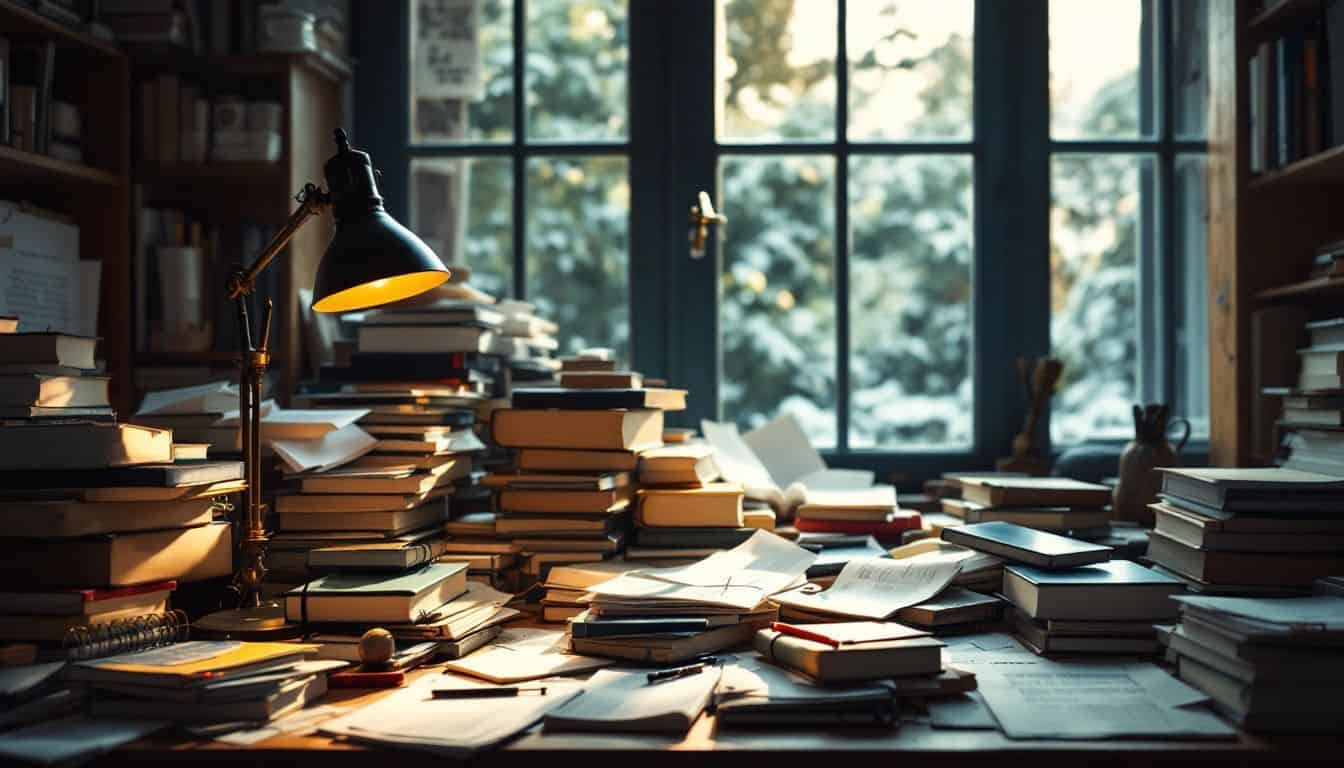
[[1095, 89], [1097, 231], [461, 71], [776, 69], [578, 235], [909, 69], [778, 307], [910, 302], [1191, 296], [479, 235], [576, 70], [1189, 67]]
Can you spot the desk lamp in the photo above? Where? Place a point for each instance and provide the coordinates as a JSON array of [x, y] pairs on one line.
[[370, 260]]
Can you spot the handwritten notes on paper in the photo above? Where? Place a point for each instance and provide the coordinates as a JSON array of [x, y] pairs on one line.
[[875, 588]]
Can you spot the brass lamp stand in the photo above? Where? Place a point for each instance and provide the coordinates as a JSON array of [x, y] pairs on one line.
[[370, 260]]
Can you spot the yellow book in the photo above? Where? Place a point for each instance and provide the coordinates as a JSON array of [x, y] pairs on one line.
[[191, 663]]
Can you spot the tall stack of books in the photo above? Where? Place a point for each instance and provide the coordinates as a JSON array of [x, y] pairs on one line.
[[1312, 418], [86, 497], [1068, 596], [1269, 664], [1248, 531], [1054, 504], [575, 507]]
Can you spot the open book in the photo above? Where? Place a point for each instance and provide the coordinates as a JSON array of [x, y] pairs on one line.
[[777, 464]]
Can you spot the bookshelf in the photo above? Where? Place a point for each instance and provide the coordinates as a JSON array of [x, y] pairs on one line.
[[93, 74], [311, 87], [1264, 228]]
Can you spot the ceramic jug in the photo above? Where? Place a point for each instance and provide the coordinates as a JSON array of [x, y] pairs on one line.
[[1139, 481]]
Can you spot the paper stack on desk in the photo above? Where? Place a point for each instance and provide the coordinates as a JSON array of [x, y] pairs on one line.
[[726, 592], [1269, 664]]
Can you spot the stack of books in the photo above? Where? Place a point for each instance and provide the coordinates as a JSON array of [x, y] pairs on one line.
[[870, 511], [1068, 595], [667, 615], [535, 336], [566, 585], [1054, 504], [392, 515], [568, 496], [85, 497], [1248, 531], [1269, 664], [204, 682], [683, 514]]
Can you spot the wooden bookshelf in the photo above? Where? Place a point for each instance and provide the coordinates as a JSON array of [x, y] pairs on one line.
[[1264, 229], [18, 165], [93, 74], [310, 87]]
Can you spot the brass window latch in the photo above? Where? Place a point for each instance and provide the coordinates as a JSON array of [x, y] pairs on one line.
[[702, 216]]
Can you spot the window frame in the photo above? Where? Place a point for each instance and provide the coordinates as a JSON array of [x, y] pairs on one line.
[[673, 153]]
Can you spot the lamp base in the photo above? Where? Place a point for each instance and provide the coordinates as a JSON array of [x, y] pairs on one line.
[[262, 622]]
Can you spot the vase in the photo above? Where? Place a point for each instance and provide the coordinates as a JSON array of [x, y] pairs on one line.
[[1139, 481]]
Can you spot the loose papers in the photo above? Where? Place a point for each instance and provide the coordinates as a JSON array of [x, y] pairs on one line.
[[739, 578], [875, 588], [525, 654], [412, 718], [1053, 700]]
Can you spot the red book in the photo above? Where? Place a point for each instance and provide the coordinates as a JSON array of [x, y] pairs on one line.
[[67, 602], [892, 529]]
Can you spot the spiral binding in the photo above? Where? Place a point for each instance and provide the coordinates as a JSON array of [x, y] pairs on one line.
[[137, 633]]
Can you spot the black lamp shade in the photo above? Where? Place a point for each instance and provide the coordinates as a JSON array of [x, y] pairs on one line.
[[373, 260]]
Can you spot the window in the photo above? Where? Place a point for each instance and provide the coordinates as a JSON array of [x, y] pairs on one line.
[[918, 192], [848, 254], [518, 151], [1127, 282]]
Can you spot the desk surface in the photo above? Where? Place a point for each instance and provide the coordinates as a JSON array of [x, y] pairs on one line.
[[742, 747]]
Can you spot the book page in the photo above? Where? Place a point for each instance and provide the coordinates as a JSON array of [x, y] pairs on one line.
[[875, 588], [785, 450]]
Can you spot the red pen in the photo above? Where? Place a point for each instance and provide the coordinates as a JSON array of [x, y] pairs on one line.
[[789, 629]]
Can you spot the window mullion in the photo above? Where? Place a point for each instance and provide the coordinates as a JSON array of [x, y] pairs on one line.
[[841, 254], [519, 149]]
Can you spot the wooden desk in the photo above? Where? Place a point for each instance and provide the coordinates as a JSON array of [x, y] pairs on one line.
[[706, 747]]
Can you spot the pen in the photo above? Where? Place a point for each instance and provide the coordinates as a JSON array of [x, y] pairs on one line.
[[678, 672], [483, 693], [789, 629]]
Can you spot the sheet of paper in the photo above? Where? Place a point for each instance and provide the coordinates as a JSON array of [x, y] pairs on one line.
[[39, 270], [337, 447], [736, 460], [785, 450], [215, 397], [963, 712], [875, 588], [525, 654], [739, 578], [613, 697], [71, 739], [412, 718], [1055, 700], [302, 722]]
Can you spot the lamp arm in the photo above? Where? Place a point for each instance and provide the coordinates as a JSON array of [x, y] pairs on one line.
[[253, 357]]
